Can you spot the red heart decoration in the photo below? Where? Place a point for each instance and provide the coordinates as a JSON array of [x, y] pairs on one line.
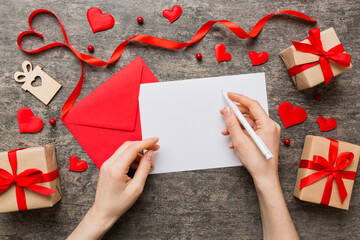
[[99, 21], [173, 14], [258, 59], [221, 54], [76, 165], [326, 125], [27, 121], [290, 115]]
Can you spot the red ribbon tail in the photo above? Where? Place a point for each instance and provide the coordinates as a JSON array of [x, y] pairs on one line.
[[20, 198], [326, 69], [40, 189], [327, 191]]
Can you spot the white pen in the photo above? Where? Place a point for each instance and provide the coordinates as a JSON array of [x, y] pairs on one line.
[[259, 143]]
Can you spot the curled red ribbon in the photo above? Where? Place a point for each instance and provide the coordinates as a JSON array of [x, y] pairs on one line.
[[332, 169], [335, 54], [164, 43], [27, 179]]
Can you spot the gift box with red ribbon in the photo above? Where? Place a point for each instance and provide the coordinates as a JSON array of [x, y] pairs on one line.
[[29, 179], [316, 59], [327, 172]]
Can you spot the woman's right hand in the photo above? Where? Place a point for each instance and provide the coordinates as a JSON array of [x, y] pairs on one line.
[[249, 154]]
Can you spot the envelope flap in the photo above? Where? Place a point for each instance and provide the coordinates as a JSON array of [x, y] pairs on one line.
[[114, 104]]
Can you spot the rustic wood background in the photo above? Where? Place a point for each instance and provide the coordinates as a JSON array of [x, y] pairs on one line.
[[209, 204]]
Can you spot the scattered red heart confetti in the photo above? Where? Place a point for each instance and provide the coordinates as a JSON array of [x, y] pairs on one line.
[[318, 96], [221, 54], [287, 142], [290, 115], [326, 125], [258, 59], [99, 21], [91, 48], [76, 165], [140, 20], [52, 122], [27, 121], [172, 14], [198, 56]]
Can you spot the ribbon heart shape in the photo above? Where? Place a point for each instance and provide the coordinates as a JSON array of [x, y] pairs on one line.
[[155, 41]]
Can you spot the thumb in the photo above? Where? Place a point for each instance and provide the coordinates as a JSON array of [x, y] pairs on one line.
[[233, 126], [143, 170]]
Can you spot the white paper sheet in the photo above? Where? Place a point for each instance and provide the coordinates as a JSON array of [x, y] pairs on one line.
[[185, 116]]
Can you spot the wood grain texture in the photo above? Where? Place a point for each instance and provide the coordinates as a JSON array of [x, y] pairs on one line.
[[209, 204]]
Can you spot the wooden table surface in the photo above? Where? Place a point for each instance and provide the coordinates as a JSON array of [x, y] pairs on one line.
[[208, 204]]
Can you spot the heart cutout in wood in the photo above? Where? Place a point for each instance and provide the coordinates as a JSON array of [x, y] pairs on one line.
[[172, 14], [221, 54], [37, 82], [290, 115], [326, 124], [27, 121], [258, 58], [98, 20], [77, 165]]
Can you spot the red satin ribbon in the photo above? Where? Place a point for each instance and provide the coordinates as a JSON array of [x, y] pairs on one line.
[[327, 168], [335, 54], [26, 179], [164, 43]]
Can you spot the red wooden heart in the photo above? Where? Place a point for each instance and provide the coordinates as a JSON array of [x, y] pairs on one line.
[[27, 121], [173, 14], [76, 165], [221, 54], [290, 115], [258, 59], [326, 125], [99, 21]]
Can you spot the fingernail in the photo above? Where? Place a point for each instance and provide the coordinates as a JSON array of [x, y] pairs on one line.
[[149, 155], [227, 111]]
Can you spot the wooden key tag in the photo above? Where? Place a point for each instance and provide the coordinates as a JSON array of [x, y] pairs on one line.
[[44, 92]]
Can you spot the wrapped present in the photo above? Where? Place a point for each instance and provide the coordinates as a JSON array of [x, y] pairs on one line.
[[327, 172], [29, 179], [316, 59]]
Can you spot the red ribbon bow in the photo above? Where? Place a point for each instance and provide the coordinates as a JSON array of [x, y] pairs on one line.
[[327, 168], [27, 179], [155, 41], [335, 54]]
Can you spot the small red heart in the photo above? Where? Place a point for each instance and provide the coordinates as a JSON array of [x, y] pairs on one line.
[[76, 165], [221, 54], [99, 21], [290, 115], [173, 14], [27, 121], [326, 125], [258, 59]]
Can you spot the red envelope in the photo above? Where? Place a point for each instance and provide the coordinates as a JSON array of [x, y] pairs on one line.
[[109, 116]]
